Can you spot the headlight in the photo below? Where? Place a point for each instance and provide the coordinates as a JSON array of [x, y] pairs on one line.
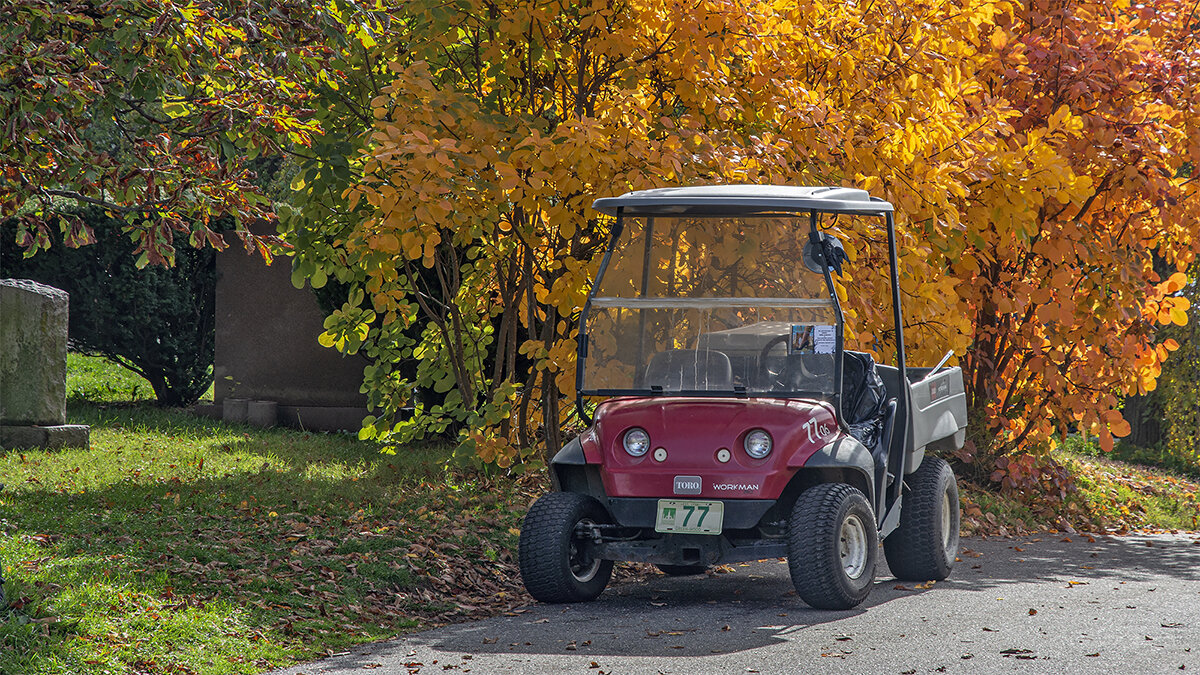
[[636, 441], [758, 444]]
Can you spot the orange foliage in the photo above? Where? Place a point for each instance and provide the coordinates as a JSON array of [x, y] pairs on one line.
[[1039, 154]]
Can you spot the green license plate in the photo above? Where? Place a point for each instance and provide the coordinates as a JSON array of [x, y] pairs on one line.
[[689, 517]]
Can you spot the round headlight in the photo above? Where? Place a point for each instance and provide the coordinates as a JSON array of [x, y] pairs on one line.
[[758, 444], [636, 441]]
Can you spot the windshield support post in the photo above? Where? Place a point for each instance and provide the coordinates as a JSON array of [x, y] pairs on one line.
[[639, 374], [899, 465], [896, 314], [581, 339], [815, 237]]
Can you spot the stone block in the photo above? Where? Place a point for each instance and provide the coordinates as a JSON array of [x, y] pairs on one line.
[[33, 353], [262, 413], [51, 436], [235, 409]]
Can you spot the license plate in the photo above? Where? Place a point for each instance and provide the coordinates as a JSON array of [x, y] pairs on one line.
[[689, 517]]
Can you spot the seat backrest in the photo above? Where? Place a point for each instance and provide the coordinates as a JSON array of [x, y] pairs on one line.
[[863, 391], [690, 370]]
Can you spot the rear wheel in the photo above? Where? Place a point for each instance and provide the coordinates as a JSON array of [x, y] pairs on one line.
[[557, 565], [925, 544], [833, 546], [682, 570]]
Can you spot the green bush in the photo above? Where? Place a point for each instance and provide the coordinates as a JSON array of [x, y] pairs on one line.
[[157, 322]]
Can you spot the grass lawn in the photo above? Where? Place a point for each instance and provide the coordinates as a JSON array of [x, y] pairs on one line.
[[1110, 496], [182, 545]]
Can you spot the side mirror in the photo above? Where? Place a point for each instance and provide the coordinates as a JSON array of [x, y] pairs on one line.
[[824, 250]]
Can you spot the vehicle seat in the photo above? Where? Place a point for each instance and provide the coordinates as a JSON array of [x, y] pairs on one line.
[[864, 398], [690, 370]]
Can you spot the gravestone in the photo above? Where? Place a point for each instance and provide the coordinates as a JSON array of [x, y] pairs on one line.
[[269, 368], [33, 367]]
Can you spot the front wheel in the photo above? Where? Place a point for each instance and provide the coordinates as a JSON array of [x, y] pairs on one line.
[[833, 546], [923, 547], [557, 565]]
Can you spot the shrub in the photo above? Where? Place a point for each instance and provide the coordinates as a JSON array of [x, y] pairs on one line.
[[157, 322]]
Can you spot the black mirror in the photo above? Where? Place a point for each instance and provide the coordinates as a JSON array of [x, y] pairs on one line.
[[824, 251]]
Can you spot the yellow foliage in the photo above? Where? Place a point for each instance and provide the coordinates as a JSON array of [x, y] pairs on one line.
[[1033, 197]]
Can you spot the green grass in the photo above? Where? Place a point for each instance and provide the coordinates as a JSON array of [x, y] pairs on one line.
[[94, 379], [1176, 460], [177, 544], [1110, 496]]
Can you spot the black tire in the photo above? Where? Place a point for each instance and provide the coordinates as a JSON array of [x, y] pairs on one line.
[[833, 546], [925, 544], [682, 570], [555, 565]]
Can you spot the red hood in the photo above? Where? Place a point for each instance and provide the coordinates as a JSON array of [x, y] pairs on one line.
[[692, 431]]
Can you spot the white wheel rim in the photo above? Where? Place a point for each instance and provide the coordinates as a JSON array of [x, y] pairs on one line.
[[946, 521], [852, 547], [582, 574]]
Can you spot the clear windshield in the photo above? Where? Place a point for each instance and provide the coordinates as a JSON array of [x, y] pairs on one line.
[[720, 305]]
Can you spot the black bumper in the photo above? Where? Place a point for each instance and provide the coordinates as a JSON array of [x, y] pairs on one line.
[[740, 514]]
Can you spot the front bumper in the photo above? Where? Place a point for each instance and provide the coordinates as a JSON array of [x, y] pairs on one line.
[[740, 514]]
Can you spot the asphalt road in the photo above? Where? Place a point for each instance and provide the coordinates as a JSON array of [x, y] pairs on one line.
[[1034, 604]]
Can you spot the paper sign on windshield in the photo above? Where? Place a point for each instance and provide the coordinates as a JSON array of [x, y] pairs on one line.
[[812, 339]]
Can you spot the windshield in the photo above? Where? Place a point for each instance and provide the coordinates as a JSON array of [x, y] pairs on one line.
[[718, 305]]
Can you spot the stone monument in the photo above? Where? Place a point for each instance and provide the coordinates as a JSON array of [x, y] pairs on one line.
[[269, 368], [33, 368]]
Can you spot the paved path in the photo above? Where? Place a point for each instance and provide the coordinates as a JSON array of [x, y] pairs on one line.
[[1025, 605]]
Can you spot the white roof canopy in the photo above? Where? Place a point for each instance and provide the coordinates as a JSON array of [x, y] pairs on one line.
[[735, 199]]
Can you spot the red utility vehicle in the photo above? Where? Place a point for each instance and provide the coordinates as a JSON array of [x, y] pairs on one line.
[[733, 425]]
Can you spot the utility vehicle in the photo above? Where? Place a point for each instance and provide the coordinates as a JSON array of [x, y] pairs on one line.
[[732, 425]]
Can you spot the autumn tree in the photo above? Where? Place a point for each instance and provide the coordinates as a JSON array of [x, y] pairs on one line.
[[503, 123], [1085, 192], [154, 109], [1036, 153]]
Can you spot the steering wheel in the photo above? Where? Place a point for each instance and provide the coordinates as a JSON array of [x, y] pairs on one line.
[[765, 374]]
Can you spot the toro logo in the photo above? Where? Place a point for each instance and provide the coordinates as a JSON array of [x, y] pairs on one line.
[[688, 485]]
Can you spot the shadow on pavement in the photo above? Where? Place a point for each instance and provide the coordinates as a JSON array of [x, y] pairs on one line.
[[755, 606]]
